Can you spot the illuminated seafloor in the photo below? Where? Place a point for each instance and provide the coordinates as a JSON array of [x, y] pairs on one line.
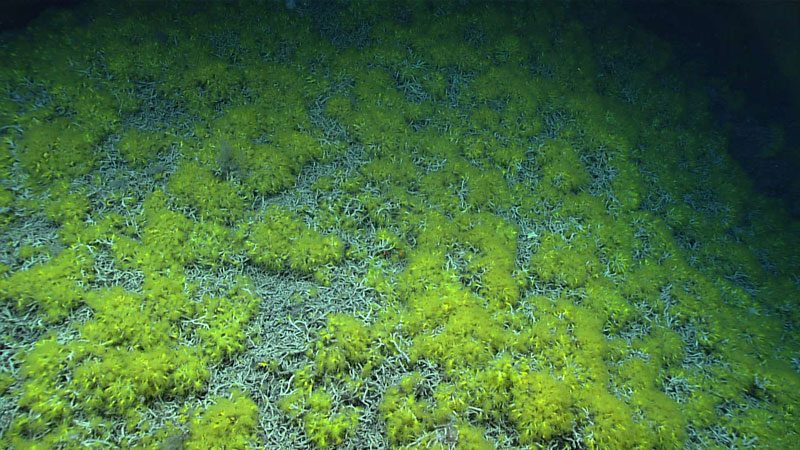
[[370, 225]]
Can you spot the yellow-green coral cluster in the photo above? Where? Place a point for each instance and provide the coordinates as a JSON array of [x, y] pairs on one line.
[[529, 233]]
